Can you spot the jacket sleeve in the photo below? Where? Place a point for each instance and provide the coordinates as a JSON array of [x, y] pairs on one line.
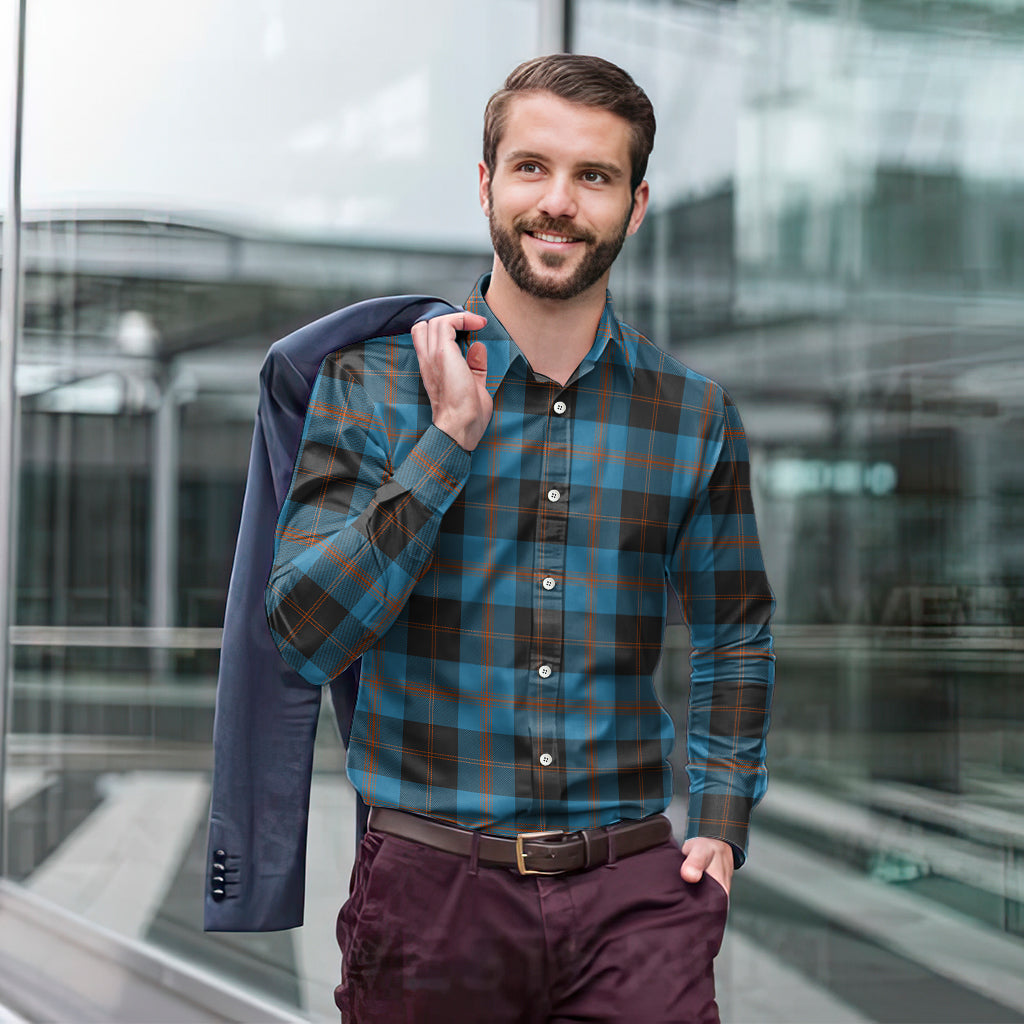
[[727, 604], [355, 533]]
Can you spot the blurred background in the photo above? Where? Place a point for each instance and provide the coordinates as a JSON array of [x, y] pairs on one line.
[[836, 235]]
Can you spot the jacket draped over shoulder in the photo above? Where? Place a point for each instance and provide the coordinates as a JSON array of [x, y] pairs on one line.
[[266, 714]]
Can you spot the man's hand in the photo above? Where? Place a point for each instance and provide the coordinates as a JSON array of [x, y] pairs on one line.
[[459, 401], [711, 855]]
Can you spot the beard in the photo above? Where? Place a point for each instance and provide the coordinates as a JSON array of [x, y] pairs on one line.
[[508, 247]]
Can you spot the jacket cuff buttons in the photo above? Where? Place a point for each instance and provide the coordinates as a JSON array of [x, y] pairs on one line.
[[218, 875]]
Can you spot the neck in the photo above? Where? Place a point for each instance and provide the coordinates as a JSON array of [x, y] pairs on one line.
[[553, 334]]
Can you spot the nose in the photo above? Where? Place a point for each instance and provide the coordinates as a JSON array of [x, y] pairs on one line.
[[559, 199]]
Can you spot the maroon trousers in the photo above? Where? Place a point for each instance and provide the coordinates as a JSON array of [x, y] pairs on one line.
[[428, 936]]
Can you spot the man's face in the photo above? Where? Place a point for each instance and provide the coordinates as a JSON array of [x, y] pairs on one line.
[[559, 203]]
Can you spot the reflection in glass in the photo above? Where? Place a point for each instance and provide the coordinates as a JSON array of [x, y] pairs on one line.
[[836, 237], [201, 178]]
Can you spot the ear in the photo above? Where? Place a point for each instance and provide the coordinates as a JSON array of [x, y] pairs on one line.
[[640, 199], [485, 181]]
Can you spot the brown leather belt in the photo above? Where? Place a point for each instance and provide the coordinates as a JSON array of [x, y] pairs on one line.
[[530, 853]]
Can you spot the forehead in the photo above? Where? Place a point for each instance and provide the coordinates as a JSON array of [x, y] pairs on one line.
[[542, 123]]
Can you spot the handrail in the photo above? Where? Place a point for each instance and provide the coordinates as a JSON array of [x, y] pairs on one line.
[[53, 962], [180, 637]]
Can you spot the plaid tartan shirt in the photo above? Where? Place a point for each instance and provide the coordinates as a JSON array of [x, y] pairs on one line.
[[509, 604]]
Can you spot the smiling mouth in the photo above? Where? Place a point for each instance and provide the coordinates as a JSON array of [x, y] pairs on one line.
[[546, 237]]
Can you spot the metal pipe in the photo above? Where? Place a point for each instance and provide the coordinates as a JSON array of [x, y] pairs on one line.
[[552, 26], [10, 320], [163, 547]]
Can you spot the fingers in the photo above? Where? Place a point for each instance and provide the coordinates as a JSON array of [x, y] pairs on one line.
[[470, 321], [455, 383], [448, 324], [434, 339]]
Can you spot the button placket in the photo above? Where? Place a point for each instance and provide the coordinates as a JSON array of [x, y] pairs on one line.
[[547, 716]]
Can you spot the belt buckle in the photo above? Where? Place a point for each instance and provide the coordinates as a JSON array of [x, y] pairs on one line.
[[521, 854]]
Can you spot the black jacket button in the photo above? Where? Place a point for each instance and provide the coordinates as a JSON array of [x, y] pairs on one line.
[[219, 868], [218, 895], [219, 854]]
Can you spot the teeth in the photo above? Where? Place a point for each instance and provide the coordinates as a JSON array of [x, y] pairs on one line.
[[551, 238]]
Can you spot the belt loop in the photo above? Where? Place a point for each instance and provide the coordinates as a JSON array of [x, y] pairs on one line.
[[474, 852], [586, 849], [611, 847]]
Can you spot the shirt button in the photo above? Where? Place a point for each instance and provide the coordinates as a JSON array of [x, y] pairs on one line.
[[546, 759], [544, 671], [560, 407], [548, 583], [553, 495]]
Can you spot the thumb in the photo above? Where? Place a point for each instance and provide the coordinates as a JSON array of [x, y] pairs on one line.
[[693, 866], [477, 357]]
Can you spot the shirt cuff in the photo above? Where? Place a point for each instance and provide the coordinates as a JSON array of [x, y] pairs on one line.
[[724, 816], [435, 470]]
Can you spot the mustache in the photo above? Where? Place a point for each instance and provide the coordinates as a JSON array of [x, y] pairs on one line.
[[549, 226]]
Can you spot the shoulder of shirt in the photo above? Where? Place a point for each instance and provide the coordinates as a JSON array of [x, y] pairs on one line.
[[370, 355], [653, 359]]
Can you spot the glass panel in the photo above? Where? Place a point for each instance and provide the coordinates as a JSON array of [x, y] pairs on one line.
[[836, 236], [8, 55], [8, 27], [328, 119], [201, 178]]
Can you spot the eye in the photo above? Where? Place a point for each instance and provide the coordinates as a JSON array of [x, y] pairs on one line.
[[529, 167], [594, 177]]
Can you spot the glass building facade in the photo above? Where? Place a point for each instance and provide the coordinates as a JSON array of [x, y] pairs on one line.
[[836, 235]]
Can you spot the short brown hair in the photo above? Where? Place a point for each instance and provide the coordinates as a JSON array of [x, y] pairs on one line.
[[577, 78]]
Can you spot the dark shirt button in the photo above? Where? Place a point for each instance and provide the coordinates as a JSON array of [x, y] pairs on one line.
[[218, 894], [219, 854], [219, 868], [217, 880]]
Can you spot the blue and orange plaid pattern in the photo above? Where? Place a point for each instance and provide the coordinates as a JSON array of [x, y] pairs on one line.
[[509, 604]]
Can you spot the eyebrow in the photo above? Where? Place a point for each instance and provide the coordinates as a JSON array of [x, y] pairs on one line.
[[613, 171]]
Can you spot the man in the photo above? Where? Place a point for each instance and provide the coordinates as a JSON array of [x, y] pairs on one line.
[[491, 513]]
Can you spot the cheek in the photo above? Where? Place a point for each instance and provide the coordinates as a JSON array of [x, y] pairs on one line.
[[514, 198]]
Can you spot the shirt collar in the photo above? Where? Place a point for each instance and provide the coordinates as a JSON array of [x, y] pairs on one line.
[[503, 352]]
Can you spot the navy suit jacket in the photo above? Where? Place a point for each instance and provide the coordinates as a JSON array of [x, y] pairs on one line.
[[266, 714]]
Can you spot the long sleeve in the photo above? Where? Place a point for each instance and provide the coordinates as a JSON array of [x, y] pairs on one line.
[[355, 534], [727, 604]]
